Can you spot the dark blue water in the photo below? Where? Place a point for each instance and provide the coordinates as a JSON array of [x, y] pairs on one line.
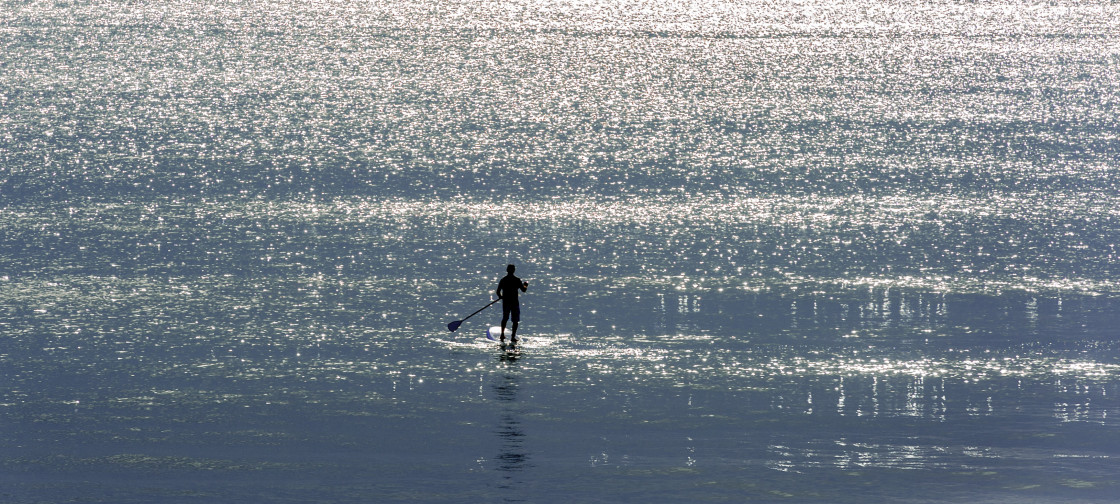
[[830, 252]]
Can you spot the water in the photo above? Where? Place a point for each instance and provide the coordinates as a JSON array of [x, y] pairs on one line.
[[797, 252]]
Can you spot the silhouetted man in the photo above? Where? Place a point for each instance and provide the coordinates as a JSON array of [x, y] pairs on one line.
[[511, 308]]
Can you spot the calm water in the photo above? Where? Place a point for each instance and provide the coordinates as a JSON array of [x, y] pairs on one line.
[[777, 251]]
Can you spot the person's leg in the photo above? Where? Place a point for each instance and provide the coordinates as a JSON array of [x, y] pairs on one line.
[[516, 316], [505, 318]]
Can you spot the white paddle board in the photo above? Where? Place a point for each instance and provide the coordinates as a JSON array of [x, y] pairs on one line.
[[495, 333]]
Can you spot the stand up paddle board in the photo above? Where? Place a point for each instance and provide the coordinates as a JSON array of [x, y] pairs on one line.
[[494, 333]]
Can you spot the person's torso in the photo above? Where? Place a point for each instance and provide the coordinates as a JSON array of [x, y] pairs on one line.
[[510, 285]]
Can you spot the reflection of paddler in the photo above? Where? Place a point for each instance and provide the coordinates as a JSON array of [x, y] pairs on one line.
[[513, 456], [511, 308]]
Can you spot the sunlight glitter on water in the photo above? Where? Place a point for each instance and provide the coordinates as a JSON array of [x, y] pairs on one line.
[[301, 98], [763, 238], [945, 243]]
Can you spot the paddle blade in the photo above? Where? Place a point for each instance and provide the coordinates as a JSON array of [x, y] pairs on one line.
[[454, 325]]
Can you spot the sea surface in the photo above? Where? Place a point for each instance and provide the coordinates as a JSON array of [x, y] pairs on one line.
[[777, 251]]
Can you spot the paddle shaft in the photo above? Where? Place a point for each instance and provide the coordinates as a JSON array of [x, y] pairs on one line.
[[480, 309], [455, 325]]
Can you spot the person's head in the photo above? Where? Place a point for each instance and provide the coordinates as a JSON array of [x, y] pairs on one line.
[[510, 269]]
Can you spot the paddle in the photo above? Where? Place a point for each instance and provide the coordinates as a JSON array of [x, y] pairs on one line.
[[455, 325]]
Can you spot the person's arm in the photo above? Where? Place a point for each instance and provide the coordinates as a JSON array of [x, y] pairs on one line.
[[524, 286], [498, 291]]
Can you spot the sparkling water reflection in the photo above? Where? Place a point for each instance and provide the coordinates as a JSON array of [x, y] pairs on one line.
[[831, 251]]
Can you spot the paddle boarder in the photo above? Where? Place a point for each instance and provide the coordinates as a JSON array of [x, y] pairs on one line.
[[511, 308]]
